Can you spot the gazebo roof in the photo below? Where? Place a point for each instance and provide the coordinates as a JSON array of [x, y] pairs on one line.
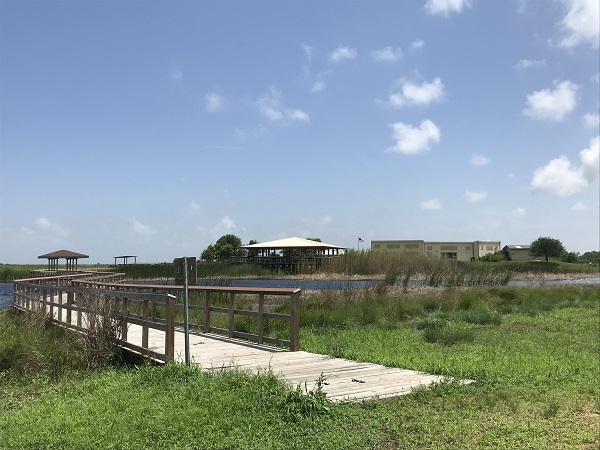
[[293, 242], [63, 254]]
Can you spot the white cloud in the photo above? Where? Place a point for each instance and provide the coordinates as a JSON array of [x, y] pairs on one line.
[[176, 74], [518, 212], [445, 7], [270, 106], [296, 114], [474, 196], [194, 208], [559, 177], [530, 64], [411, 140], [554, 105], [417, 94], [241, 134], [581, 24], [579, 206], [342, 53], [417, 44], [479, 160], [596, 78], [323, 220], [590, 161], [307, 51], [387, 54], [591, 120], [318, 86], [141, 229], [213, 102], [45, 225], [225, 224], [434, 203]]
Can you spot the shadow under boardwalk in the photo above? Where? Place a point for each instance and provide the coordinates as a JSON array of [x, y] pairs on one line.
[[344, 379]]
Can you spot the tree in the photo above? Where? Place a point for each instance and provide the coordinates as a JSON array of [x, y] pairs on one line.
[[224, 249], [547, 247], [252, 252], [590, 257], [570, 257]]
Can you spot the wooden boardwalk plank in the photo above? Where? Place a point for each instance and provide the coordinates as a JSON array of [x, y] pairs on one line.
[[343, 379], [299, 368]]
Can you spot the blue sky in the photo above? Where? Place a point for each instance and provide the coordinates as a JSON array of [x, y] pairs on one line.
[[153, 128]]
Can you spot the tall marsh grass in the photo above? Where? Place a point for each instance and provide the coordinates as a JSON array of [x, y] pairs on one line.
[[406, 268]]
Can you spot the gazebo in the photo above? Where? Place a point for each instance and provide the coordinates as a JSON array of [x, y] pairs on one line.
[[70, 256], [125, 259], [293, 254]]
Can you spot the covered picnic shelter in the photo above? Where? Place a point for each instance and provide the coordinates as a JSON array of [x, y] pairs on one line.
[[125, 259], [291, 254], [71, 257]]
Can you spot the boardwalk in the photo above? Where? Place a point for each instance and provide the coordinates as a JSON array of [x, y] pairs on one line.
[[162, 339], [345, 380]]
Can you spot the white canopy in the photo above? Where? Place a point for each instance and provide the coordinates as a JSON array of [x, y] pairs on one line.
[[293, 242]]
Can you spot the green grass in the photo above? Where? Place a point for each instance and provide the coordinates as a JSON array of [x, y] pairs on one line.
[[533, 354]]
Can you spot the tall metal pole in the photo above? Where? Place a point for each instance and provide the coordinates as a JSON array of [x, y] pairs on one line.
[[186, 322]]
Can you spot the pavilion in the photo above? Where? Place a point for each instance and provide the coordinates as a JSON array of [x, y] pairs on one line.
[[70, 256], [291, 254], [125, 259]]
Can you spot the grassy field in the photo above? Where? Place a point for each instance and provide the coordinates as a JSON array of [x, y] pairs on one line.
[[533, 354]]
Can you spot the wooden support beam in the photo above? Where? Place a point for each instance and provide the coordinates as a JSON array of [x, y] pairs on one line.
[[170, 333]]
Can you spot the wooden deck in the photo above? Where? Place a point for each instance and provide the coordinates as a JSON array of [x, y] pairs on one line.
[[344, 379]]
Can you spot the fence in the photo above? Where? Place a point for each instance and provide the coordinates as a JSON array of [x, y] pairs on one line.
[[73, 301]]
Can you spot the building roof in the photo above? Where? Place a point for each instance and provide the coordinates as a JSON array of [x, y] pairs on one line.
[[63, 254], [293, 242], [518, 247]]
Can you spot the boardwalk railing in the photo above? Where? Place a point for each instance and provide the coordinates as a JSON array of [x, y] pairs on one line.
[[74, 301]]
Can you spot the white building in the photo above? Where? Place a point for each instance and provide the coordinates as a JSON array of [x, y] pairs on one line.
[[459, 251]]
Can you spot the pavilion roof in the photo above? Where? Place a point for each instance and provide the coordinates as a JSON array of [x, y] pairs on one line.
[[292, 242], [63, 254]]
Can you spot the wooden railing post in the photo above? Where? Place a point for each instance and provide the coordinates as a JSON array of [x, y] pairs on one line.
[[295, 322], [69, 303], [78, 301], [170, 333], [145, 317], [206, 324], [45, 298], [124, 314], [231, 314], [59, 305], [261, 311]]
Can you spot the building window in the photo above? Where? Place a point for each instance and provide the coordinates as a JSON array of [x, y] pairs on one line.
[[489, 247], [449, 247], [411, 246]]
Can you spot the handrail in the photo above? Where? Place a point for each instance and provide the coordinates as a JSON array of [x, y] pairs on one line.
[[207, 307], [156, 307]]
